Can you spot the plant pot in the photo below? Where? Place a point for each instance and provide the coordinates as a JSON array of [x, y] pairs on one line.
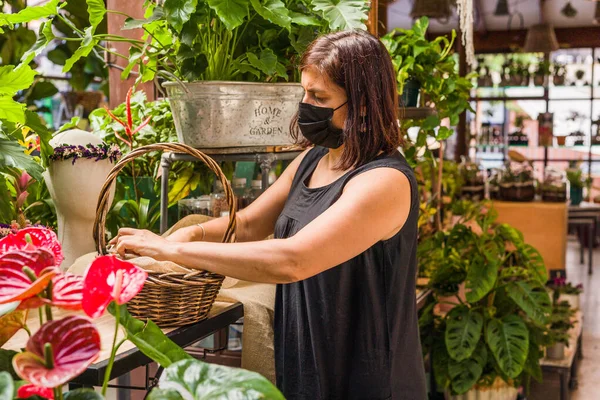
[[500, 390], [556, 351], [524, 191], [576, 195], [554, 196], [410, 93], [217, 114], [538, 80], [596, 140], [473, 193], [558, 80], [561, 140], [572, 299]]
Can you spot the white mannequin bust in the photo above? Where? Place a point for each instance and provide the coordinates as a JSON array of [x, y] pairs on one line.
[[75, 189]]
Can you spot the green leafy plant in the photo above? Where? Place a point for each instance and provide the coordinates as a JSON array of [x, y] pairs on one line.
[[248, 40], [434, 66], [495, 329], [576, 178], [560, 324]]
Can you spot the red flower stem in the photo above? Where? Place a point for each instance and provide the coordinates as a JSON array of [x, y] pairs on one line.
[[30, 274], [113, 352], [58, 395], [48, 312], [41, 316], [48, 356], [26, 328]]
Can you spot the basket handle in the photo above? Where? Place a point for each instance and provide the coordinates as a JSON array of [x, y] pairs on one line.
[[103, 204]]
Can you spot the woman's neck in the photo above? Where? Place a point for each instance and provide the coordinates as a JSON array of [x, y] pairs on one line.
[[334, 157]]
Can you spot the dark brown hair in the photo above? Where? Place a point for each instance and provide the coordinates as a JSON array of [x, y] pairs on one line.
[[360, 64]]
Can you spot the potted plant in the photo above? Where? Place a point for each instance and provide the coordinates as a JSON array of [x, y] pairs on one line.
[[517, 182], [416, 59], [558, 333], [558, 77], [579, 74], [596, 136], [578, 137], [490, 341], [518, 137], [565, 291], [577, 183], [541, 72], [493, 184], [554, 187], [473, 185], [215, 54]]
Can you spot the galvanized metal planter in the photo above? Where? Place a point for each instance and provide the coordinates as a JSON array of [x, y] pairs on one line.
[[217, 114]]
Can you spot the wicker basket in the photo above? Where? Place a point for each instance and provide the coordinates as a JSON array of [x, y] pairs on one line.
[[175, 298]]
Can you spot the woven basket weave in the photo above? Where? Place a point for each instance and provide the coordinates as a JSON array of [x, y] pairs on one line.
[[174, 298]]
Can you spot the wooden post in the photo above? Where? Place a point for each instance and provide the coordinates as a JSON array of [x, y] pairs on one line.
[[373, 20], [462, 148], [118, 88]]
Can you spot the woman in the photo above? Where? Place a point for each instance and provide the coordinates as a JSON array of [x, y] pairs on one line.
[[344, 215]]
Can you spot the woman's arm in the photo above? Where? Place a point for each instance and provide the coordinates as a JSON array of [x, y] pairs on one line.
[[254, 222], [374, 206]]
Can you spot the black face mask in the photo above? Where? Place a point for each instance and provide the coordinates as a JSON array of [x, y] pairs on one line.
[[315, 124]]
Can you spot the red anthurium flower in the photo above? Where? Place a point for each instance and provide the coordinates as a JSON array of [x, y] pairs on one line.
[[26, 391], [18, 284], [75, 344], [130, 131], [108, 279], [67, 291], [40, 238]]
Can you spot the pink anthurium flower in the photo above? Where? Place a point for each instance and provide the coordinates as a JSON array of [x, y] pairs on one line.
[[57, 353], [67, 291], [24, 274], [108, 279], [27, 391], [40, 238]]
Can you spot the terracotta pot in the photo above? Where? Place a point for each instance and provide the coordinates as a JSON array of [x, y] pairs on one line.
[[500, 390], [561, 140]]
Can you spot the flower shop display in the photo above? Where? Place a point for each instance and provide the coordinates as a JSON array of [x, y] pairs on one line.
[[495, 330], [62, 349], [554, 187], [517, 182], [74, 177]]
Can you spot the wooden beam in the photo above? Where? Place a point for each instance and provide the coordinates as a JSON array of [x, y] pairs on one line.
[[509, 41], [382, 16], [118, 88]]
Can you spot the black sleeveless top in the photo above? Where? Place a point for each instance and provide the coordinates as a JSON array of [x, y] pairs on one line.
[[350, 332]]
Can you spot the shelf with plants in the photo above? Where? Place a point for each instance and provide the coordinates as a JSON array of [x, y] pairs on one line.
[[570, 86]]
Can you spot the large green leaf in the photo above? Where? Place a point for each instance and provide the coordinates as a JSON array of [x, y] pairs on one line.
[[194, 379], [96, 10], [266, 62], [6, 365], [12, 155], [149, 338], [342, 14], [45, 36], [481, 277], [14, 79], [463, 331], [465, 374], [440, 364], [185, 183], [178, 12], [83, 394], [536, 263], [301, 37], [7, 386], [231, 12], [532, 298], [304, 20], [532, 365], [508, 339], [30, 13], [274, 11], [130, 23], [87, 45], [11, 110]]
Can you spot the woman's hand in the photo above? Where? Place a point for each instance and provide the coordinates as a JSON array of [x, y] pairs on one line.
[[141, 243]]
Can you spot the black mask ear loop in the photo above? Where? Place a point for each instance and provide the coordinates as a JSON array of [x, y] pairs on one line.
[[341, 105]]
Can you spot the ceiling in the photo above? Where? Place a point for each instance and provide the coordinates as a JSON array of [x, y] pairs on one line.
[[398, 15]]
